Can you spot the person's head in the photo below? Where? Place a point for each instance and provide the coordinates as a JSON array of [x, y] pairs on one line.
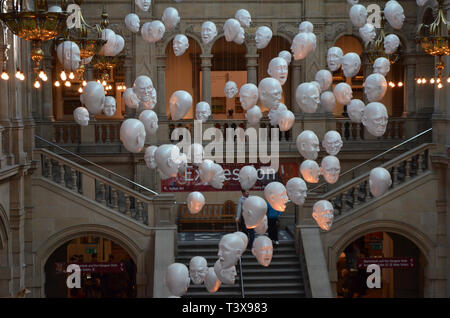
[[132, 22], [245, 193], [110, 106], [302, 45], [68, 54], [153, 31], [231, 29], [195, 202], [310, 171], [93, 97], [230, 89], [179, 104], [144, 5], [219, 177], [355, 110]]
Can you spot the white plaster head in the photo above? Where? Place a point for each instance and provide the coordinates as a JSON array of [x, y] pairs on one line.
[[270, 92], [375, 118], [324, 78], [286, 55], [226, 275], [343, 93], [231, 29], [177, 279], [244, 17], [334, 58], [286, 120], [253, 115], [212, 283], [381, 66], [351, 63], [253, 210], [86, 60], [278, 69], [153, 31], [248, 177], [391, 43], [248, 95], [180, 102], [274, 114], [180, 44], [307, 96], [132, 135], [132, 22], [196, 154], [93, 97], [296, 190], [170, 18], [240, 38], [230, 89], [310, 171], [198, 268], [262, 227], [302, 45], [375, 87], [308, 144], [367, 33], [109, 48], [244, 238], [68, 54], [276, 194], [183, 163], [149, 157], [352, 2], [358, 15], [323, 214], [195, 202], [150, 121], [144, 5], [81, 116], [330, 168], [263, 36], [109, 108], [263, 250], [421, 3], [130, 98], [355, 110], [218, 178], [328, 101], [231, 246], [206, 171], [316, 83], [119, 44], [209, 31], [168, 160], [394, 13], [305, 27], [379, 181], [332, 142], [143, 88], [202, 111], [55, 9]]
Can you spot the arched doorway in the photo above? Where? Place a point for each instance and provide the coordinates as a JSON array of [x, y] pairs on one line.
[[401, 262], [107, 270]]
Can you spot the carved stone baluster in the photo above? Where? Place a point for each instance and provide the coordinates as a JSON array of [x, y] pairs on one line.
[[420, 161], [61, 173], [356, 196], [139, 209], [108, 133], [73, 174], [46, 170], [394, 176], [358, 132], [100, 134], [115, 199], [127, 204], [408, 169], [101, 189], [368, 195]]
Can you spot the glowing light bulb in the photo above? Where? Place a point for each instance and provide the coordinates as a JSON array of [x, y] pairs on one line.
[[419, 81], [5, 76], [17, 74], [104, 83], [37, 84], [400, 84], [448, 80], [439, 85], [22, 76], [119, 87], [57, 84], [67, 84], [432, 81], [71, 75], [124, 87], [45, 78], [84, 83], [63, 76], [80, 90], [438, 80], [424, 80]]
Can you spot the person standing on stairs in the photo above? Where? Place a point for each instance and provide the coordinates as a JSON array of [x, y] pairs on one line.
[[273, 223], [240, 217]]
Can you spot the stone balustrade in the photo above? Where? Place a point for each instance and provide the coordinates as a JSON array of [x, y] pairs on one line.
[[351, 131]]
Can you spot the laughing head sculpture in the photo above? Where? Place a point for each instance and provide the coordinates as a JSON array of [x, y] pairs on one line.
[[68, 54], [393, 11], [231, 246], [375, 118], [202, 111], [247, 177], [381, 66], [177, 279], [253, 210], [168, 160], [310, 171], [343, 93], [206, 171], [109, 108], [230, 89], [170, 18], [270, 92], [180, 44], [132, 22], [275, 193], [263, 36], [209, 31], [153, 31], [132, 135], [296, 190], [332, 142], [244, 18], [334, 58], [253, 115], [81, 116], [324, 78], [355, 110], [367, 33], [150, 121], [328, 101], [358, 15], [307, 96], [379, 181], [198, 268], [375, 87], [212, 283], [305, 27], [302, 45], [231, 29], [286, 120], [93, 97], [130, 98], [308, 144], [351, 63], [225, 275], [149, 157], [391, 43], [248, 95], [195, 202], [144, 5], [263, 250], [143, 88], [278, 69], [323, 214], [180, 102], [262, 227], [330, 168], [219, 177]]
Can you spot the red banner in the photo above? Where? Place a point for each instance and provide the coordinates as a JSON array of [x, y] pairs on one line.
[[94, 267], [395, 262], [190, 181]]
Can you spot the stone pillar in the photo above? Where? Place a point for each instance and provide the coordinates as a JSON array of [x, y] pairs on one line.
[[206, 77], [295, 70], [129, 81], [161, 87], [409, 63], [47, 97]]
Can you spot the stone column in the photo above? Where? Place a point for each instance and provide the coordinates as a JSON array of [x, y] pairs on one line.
[[409, 63], [295, 70], [252, 64], [206, 77], [161, 87], [129, 81]]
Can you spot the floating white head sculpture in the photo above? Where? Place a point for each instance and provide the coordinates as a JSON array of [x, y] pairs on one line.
[[391, 43], [367, 33], [81, 116], [240, 38], [263, 36], [55, 9], [253, 210], [209, 31], [305, 27], [355, 110], [132, 135], [132, 22], [144, 90], [130, 98], [219, 177], [225, 275], [274, 114], [202, 111], [375, 87], [302, 45], [196, 154], [253, 115], [183, 163], [324, 78], [308, 144], [351, 63], [68, 54], [352, 2], [231, 246], [118, 45], [180, 102], [86, 60], [195, 202], [231, 29], [375, 118], [248, 95], [358, 15], [244, 238], [379, 181], [296, 190], [177, 279], [230, 89], [170, 18], [108, 49], [381, 66], [263, 250], [421, 3], [206, 171], [109, 108], [262, 227], [323, 214], [286, 55], [244, 18], [270, 92], [93, 97], [149, 157], [198, 268], [275, 193], [180, 44], [310, 171], [247, 177], [328, 101], [278, 69], [150, 121], [334, 58], [144, 5], [286, 120], [330, 168], [307, 96], [332, 142], [212, 283], [168, 160], [153, 31], [393, 11], [343, 93]]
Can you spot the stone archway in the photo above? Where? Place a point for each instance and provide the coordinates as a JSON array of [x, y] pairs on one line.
[[4, 254]]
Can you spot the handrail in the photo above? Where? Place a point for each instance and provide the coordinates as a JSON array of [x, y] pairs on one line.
[[98, 166], [240, 269]]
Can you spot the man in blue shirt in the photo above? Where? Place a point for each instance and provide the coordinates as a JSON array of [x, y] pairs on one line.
[[272, 223]]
